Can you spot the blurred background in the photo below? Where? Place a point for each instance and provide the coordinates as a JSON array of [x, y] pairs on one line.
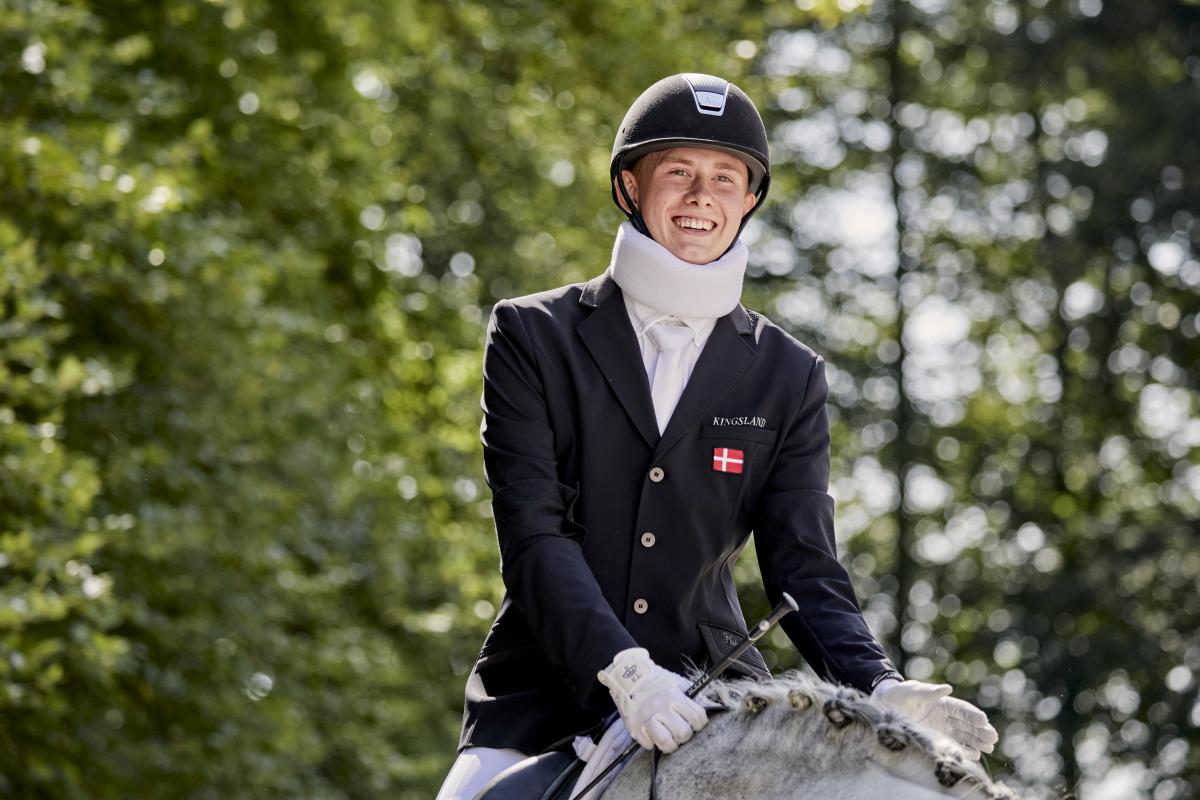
[[248, 249]]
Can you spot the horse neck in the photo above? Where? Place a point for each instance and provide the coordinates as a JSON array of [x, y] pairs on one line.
[[780, 741], [759, 765]]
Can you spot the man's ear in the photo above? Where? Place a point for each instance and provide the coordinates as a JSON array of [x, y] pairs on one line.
[[749, 203], [630, 181]]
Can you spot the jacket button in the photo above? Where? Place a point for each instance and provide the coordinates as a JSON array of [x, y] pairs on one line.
[[647, 539], [641, 606], [657, 474]]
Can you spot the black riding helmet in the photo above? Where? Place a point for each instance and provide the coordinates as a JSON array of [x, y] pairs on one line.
[[692, 110]]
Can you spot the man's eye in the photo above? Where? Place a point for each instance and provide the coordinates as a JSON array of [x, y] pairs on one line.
[[725, 178], [679, 171]]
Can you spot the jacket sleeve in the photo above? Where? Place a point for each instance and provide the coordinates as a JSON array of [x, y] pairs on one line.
[[797, 553], [541, 558]]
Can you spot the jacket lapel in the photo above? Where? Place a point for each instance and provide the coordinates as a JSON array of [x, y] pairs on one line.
[[609, 338], [727, 354]]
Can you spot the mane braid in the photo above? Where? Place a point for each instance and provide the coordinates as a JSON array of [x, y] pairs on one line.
[[857, 727]]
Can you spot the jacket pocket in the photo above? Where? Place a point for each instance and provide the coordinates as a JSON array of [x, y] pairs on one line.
[[519, 669], [720, 640], [745, 433]]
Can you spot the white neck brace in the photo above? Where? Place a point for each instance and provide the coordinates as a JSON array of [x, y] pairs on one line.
[[655, 277]]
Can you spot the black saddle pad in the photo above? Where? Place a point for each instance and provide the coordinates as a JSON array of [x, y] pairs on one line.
[[549, 776]]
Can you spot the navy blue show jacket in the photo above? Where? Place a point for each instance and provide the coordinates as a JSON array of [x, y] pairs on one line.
[[612, 536]]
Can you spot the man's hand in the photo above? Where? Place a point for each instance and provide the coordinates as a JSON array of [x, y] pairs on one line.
[[651, 701], [931, 704]]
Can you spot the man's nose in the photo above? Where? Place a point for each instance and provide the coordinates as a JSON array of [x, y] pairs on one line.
[[698, 191]]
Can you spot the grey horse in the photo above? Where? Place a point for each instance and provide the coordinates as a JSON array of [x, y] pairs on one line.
[[799, 737]]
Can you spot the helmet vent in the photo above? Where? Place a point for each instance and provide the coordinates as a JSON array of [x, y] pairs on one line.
[[709, 93]]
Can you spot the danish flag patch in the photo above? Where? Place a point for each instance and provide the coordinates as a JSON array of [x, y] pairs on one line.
[[726, 459]]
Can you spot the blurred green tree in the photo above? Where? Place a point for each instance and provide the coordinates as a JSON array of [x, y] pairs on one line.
[[1016, 432], [247, 250]]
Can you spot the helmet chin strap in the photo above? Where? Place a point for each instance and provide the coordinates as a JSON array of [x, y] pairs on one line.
[[634, 213], [639, 224], [759, 196]]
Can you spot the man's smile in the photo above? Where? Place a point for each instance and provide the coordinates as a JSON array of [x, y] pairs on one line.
[[694, 223]]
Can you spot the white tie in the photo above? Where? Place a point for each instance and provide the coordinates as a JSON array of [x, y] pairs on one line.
[[670, 368]]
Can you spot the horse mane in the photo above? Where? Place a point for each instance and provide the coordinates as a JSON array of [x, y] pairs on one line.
[[839, 723]]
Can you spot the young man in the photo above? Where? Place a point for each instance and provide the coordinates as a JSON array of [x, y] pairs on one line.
[[637, 428]]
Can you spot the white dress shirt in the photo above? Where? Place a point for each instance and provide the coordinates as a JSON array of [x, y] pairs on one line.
[[642, 317]]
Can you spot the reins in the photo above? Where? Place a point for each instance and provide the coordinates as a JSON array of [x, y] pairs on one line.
[[785, 606]]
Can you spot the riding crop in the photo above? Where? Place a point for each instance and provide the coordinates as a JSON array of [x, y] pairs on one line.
[[785, 606]]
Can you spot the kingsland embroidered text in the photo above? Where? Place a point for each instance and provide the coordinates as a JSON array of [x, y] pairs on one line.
[[758, 422]]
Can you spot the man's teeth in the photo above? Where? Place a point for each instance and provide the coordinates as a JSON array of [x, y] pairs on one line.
[[695, 224]]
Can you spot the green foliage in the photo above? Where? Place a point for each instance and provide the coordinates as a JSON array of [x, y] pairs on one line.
[[247, 249], [1008, 362]]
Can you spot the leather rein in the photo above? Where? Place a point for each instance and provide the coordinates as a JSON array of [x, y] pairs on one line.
[[785, 606]]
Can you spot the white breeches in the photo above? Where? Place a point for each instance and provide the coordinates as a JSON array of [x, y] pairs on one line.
[[473, 768]]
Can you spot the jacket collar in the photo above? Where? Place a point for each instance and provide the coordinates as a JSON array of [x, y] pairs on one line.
[[608, 335]]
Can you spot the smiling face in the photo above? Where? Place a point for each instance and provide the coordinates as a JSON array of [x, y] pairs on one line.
[[692, 199]]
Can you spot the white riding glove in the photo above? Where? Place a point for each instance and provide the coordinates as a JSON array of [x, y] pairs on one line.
[[930, 704], [651, 701]]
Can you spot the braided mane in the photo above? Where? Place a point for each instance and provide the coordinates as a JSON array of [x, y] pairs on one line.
[[803, 730], [810, 711]]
